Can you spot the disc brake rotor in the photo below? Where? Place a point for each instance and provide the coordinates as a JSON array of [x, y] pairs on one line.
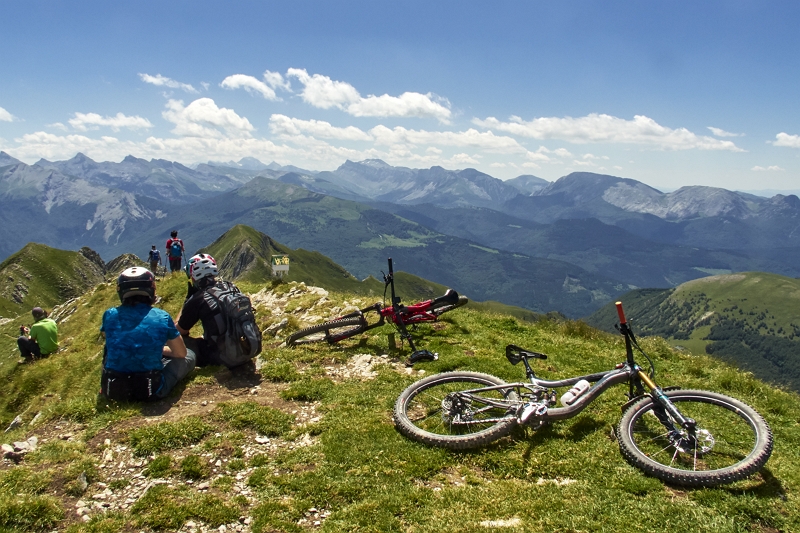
[[701, 443]]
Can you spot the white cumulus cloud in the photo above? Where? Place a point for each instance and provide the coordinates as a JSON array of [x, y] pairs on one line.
[[771, 168], [89, 121], [323, 92], [5, 116], [276, 81], [250, 84], [722, 133], [163, 81], [601, 128], [784, 139], [203, 118], [471, 138], [283, 125]]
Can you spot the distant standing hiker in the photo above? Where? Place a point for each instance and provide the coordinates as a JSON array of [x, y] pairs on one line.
[[230, 334], [155, 259], [41, 339], [137, 366], [174, 251]]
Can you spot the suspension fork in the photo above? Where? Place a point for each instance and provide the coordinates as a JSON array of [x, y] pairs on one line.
[[663, 405]]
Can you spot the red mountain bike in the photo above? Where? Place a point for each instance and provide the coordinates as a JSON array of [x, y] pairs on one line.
[[352, 324]]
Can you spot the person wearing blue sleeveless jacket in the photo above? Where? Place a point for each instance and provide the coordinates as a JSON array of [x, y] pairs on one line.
[[145, 356]]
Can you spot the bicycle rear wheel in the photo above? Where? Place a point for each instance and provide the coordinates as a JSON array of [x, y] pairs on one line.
[[437, 411], [442, 308], [731, 440], [330, 332]]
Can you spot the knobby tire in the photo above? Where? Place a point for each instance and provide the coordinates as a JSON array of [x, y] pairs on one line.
[[423, 412], [733, 440], [331, 332]]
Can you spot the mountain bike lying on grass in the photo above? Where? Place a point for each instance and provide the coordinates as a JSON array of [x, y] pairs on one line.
[[401, 316], [686, 437]]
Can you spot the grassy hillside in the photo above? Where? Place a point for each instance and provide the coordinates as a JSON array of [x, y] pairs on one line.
[[751, 319], [39, 275], [243, 254], [307, 443]]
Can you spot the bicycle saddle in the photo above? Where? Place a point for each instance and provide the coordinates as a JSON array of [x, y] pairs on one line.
[[449, 297], [422, 355]]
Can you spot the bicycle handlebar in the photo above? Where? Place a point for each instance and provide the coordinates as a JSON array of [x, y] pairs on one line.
[[621, 314]]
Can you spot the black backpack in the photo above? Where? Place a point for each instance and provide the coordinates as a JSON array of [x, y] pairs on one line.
[[239, 338]]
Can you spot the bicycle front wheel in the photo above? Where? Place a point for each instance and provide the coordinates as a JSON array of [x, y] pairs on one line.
[[330, 332], [437, 411], [442, 308], [730, 442]]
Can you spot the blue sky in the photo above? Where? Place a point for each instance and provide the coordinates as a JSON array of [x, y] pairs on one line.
[[668, 93]]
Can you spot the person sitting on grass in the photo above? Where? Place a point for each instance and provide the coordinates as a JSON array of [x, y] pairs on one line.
[[41, 339], [137, 366]]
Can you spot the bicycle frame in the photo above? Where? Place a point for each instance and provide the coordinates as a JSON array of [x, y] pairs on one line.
[[629, 372], [400, 315]]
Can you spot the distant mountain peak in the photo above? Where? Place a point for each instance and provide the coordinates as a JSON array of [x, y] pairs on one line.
[[6, 160], [133, 159], [377, 163], [80, 156], [251, 163]]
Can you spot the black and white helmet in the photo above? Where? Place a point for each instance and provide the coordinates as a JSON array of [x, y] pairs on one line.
[[202, 266], [136, 281]]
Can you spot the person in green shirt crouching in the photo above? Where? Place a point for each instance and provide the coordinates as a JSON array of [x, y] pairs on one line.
[[41, 339]]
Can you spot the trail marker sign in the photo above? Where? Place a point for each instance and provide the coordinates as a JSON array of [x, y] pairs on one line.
[[280, 265]]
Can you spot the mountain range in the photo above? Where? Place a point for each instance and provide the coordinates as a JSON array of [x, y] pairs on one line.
[[567, 246]]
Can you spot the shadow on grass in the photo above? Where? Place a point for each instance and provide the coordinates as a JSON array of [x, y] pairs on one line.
[[769, 487]]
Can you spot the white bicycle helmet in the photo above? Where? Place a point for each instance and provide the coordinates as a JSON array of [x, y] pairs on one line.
[[202, 266]]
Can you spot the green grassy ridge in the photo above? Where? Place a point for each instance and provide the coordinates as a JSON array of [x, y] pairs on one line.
[[751, 319], [251, 250], [43, 276], [369, 476]]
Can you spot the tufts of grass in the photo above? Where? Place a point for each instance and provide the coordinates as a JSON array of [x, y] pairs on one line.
[[166, 508], [223, 483], [29, 513], [251, 415], [307, 390], [110, 522], [161, 466], [277, 516], [58, 451], [235, 465], [24, 480], [194, 467], [279, 371], [168, 435]]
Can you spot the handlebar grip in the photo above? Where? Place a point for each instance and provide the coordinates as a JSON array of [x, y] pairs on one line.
[[621, 313], [391, 271]]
